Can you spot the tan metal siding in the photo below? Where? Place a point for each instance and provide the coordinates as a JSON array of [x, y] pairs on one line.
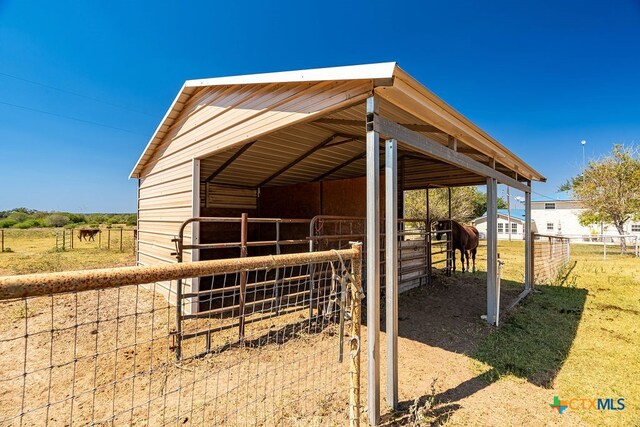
[[245, 125]]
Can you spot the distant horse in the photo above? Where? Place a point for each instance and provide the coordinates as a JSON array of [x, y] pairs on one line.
[[87, 233], [465, 239]]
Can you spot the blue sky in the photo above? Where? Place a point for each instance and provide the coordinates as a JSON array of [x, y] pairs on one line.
[[538, 76]]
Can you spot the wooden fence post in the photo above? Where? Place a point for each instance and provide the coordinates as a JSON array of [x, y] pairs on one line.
[[108, 238], [243, 274], [354, 355], [2, 232], [120, 239], [64, 237]]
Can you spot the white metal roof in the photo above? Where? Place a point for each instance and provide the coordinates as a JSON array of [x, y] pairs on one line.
[[380, 71], [388, 80]]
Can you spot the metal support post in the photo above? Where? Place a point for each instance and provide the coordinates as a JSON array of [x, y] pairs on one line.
[[528, 242], [492, 250], [373, 263], [391, 269], [243, 275]]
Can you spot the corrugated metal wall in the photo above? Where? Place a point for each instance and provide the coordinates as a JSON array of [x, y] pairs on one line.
[[212, 120]]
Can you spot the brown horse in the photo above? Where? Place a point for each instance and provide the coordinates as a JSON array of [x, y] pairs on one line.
[[87, 233], [465, 239]]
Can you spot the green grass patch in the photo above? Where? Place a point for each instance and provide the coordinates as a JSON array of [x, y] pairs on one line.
[[582, 339]]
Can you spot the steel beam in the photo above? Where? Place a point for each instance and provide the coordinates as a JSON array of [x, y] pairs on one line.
[[434, 149], [391, 269], [340, 166], [373, 264], [298, 160], [347, 122], [492, 250], [528, 273], [229, 161]]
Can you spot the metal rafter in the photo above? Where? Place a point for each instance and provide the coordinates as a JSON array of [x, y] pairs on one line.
[[229, 161], [298, 160], [340, 166]]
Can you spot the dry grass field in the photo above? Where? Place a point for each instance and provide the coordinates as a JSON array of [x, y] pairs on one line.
[[34, 250], [576, 339]]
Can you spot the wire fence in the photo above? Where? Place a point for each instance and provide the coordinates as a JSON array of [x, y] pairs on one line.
[[608, 244], [551, 255], [97, 347]]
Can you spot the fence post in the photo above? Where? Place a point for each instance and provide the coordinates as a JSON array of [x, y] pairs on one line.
[[64, 237], [354, 366], [120, 239], [243, 274], [533, 260], [108, 238], [2, 232]]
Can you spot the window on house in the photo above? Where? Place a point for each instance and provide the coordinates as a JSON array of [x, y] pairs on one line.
[[514, 227], [500, 227], [549, 205], [550, 226], [635, 228]]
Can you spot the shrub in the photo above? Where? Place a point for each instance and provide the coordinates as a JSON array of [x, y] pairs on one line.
[[132, 220], [18, 216], [7, 223], [56, 220], [29, 223], [96, 218], [77, 218]]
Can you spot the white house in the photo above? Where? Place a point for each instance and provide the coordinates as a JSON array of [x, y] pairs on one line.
[[517, 224], [558, 214]]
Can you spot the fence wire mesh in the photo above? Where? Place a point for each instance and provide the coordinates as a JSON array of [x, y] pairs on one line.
[[550, 256], [108, 356]]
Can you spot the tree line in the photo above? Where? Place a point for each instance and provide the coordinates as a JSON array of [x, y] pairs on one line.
[[467, 204], [24, 218]]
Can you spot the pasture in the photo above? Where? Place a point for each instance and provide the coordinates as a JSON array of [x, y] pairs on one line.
[[34, 251], [576, 339]]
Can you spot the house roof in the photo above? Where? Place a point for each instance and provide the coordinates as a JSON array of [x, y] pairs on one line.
[[561, 196], [516, 214], [387, 80]]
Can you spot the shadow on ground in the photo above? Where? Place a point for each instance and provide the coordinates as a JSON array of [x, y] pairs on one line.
[[532, 342]]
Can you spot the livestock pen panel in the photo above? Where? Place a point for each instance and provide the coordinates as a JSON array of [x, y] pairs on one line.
[[79, 348]]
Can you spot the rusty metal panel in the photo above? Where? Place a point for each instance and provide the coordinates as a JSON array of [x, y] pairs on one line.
[[75, 281]]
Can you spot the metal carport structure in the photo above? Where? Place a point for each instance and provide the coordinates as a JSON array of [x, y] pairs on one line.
[[237, 138]]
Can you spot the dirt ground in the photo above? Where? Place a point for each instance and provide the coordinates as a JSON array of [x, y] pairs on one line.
[[292, 379], [439, 329], [134, 379], [106, 358]]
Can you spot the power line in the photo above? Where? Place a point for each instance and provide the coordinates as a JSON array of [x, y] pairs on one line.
[[76, 94], [69, 117]]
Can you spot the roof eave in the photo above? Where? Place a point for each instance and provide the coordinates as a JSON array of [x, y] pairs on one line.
[[433, 98], [135, 172], [381, 73]]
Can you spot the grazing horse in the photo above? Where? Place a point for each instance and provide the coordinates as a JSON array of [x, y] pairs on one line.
[[87, 232], [465, 238]]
